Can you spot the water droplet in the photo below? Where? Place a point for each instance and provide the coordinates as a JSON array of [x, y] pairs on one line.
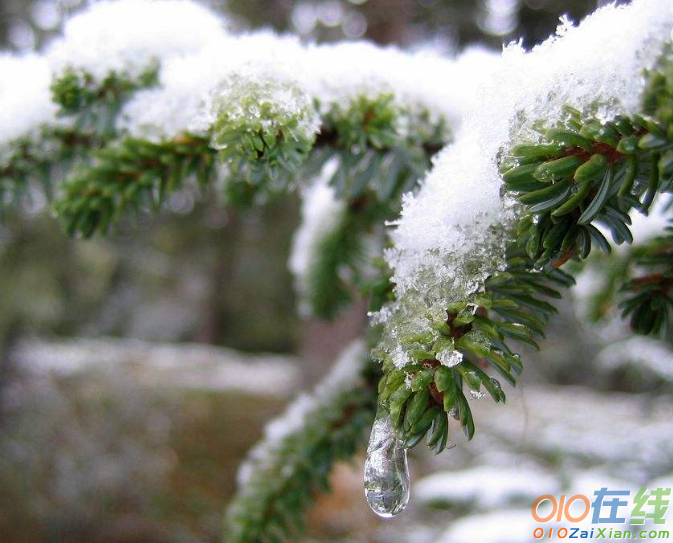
[[450, 357], [386, 469]]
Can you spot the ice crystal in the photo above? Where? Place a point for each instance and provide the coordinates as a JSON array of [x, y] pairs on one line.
[[450, 357]]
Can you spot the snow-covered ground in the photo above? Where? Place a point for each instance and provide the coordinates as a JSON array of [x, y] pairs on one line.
[[547, 440], [184, 366], [96, 433]]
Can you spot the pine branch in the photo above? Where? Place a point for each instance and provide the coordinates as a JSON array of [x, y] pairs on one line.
[[579, 173], [264, 131], [260, 150], [131, 174], [650, 304], [93, 105], [638, 282], [645, 289], [608, 170], [341, 251], [262, 154], [376, 162], [41, 160], [97, 70], [279, 480], [46, 155], [449, 361], [383, 148]]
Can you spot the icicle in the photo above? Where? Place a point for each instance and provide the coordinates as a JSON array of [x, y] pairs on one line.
[[386, 470]]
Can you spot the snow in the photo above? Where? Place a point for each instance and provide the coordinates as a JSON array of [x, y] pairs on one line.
[[191, 86], [422, 81], [452, 234], [645, 354], [201, 65], [25, 99], [627, 431], [333, 74], [126, 36], [509, 526], [187, 366], [486, 487], [345, 374], [450, 357], [321, 212], [586, 482], [263, 98]]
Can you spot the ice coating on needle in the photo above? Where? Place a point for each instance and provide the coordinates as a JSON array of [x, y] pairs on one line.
[[125, 36], [387, 485], [453, 233]]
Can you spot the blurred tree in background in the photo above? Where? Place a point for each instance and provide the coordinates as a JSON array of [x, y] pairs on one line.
[[451, 24]]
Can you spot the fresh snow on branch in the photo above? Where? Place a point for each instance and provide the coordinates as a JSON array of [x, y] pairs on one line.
[[453, 233], [25, 100], [127, 36], [332, 75], [203, 70], [423, 81], [193, 88]]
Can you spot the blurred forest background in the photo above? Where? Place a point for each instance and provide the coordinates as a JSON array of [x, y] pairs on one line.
[[136, 371]]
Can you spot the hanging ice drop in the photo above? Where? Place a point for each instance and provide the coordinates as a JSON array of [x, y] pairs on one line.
[[386, 469]]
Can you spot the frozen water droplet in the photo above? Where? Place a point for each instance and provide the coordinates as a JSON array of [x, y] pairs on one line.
[[450, 357], [386, 469], [476, 394]]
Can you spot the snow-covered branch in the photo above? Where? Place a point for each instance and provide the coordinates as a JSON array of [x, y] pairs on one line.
[[282, 472], [539, 156]]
